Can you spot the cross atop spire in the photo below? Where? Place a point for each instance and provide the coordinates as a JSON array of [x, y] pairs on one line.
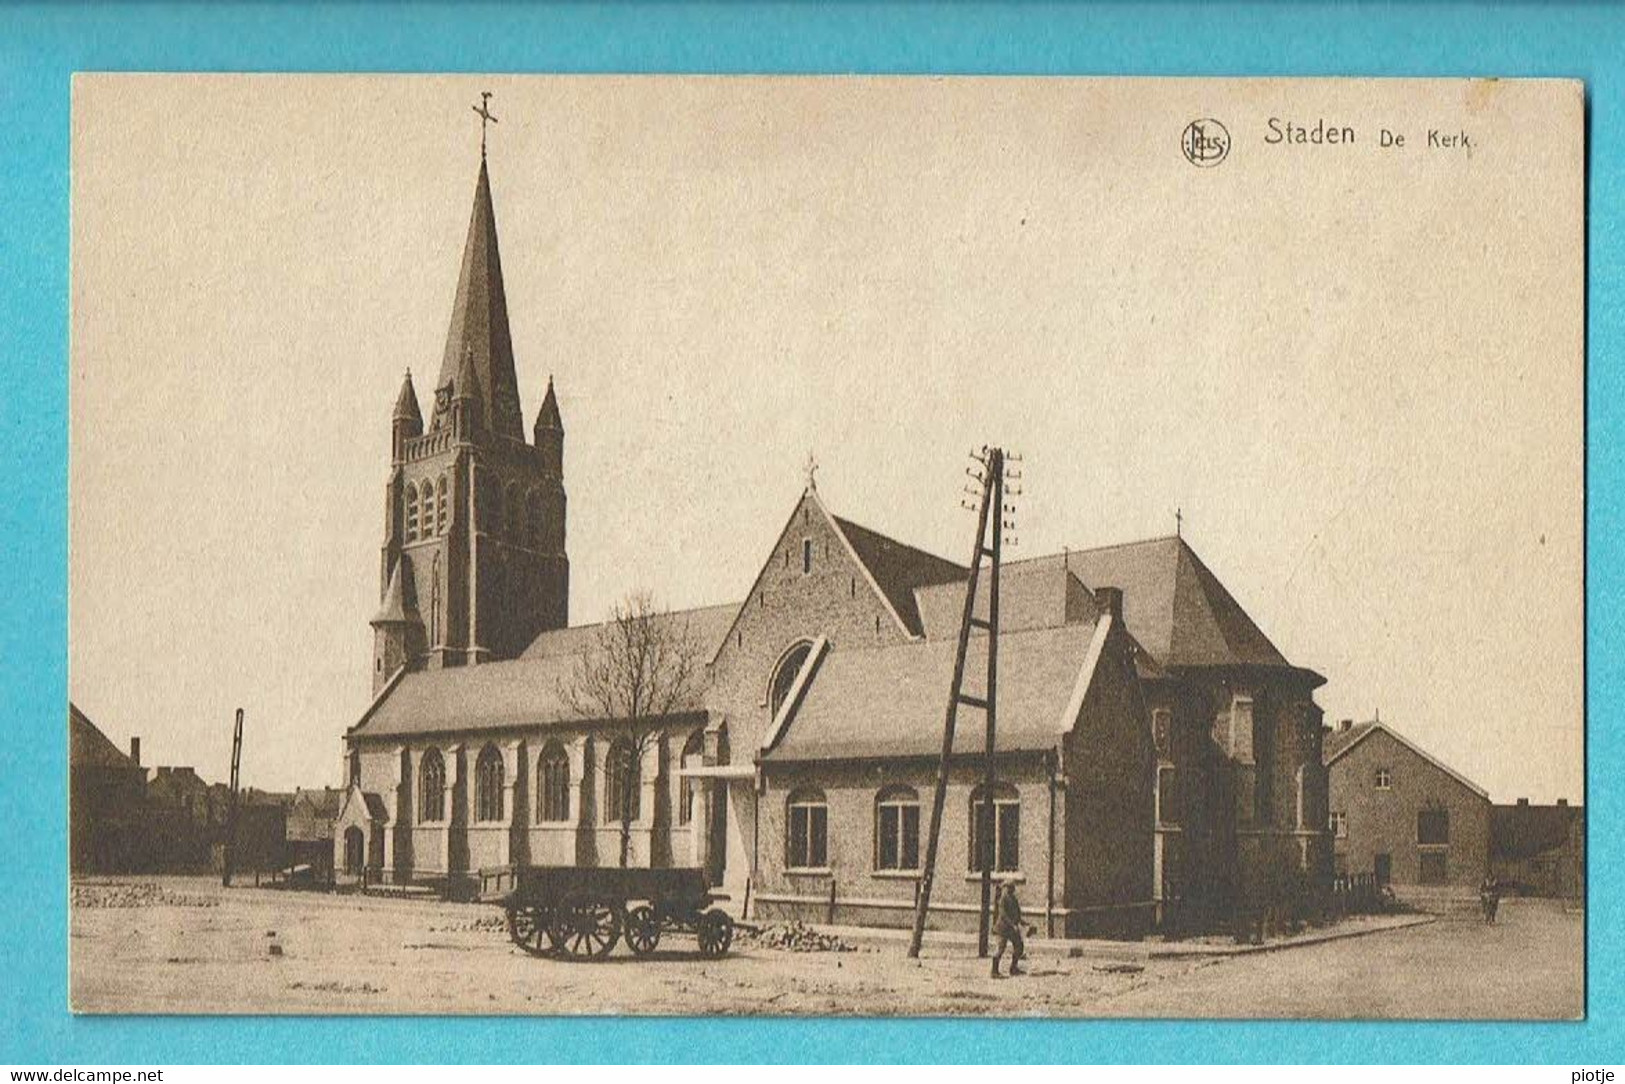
[[811, 469], [484, 111], [1179, 523]]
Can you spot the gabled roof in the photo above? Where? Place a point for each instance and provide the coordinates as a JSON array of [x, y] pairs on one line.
[[889, 701], [479, 321], [530, 691], [88, 747], [898, 569], [1333, 745], [1355, 735], [323, 803]]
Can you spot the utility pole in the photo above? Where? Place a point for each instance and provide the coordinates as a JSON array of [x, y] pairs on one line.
[[989, 474], [231, 810]]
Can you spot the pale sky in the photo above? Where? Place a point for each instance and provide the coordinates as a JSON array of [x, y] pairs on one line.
[[1357, 371]]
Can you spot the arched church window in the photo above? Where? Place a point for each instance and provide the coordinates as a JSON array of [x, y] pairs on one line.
[[441, 519], [553, 784], [411, 512], [432, 787], [784, 676], [488, 781], [622, 780]]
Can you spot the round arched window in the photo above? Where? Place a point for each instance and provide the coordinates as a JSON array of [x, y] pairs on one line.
[[784, 676]]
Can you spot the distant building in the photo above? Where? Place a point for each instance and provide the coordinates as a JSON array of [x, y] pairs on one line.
[[1539, 850], [1398, 813], [311, 817], [106, 801], [186, 818]]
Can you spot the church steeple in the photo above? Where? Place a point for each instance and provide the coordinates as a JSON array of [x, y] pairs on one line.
[[479, 335]]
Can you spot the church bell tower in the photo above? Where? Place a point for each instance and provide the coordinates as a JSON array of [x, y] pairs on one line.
[[473, 561]]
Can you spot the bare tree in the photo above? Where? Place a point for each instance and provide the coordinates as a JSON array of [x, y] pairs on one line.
[[643, 667]]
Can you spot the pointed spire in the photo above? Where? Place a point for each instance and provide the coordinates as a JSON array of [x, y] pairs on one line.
[[406, 403], [548, 416], [479, 335], [397, 609], [467, 385]]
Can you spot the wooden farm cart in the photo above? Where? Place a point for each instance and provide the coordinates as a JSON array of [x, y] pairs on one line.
[[583, 911]]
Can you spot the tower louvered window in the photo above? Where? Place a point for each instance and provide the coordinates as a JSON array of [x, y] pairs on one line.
[[411, 513], [441, 519]]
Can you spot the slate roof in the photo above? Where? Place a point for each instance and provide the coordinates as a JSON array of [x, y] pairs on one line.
[[1334, 744], [1522, 831], [889, 701], [525, 692], [1173, 605], [406, 403], [898, 569], [88, 747], [548, 416], [479, 321]]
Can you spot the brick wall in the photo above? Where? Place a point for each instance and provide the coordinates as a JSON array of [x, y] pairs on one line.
[[1385, 821]]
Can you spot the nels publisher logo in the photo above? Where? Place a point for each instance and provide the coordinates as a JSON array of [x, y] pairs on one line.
[[1206, 143]]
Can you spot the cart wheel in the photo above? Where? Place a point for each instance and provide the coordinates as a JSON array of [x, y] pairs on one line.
[[715, 931], [642, 930], [527, 925], [587, 928]]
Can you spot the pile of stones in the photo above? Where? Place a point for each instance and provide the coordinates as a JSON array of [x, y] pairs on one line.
[[795, 936]]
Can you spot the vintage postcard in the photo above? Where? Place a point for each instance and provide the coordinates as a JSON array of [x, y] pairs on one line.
[[828, 545]]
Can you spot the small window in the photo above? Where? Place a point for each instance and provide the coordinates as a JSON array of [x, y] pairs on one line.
[[441, 520], [1169, 800], [432, 788], [488, 783], [553, 785], [1384, 779], [1162, 722], [1338, 824], [1006, 830], [897, 829], [411, 513], [807, 843], [1434, 867], [806, 556], [1433, 826]]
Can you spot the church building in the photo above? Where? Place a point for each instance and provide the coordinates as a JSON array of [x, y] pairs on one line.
[[1158, 760]]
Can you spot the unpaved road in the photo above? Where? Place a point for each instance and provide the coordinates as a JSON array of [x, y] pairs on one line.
[[186, 945]]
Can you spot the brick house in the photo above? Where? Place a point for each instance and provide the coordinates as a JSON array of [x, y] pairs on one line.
[[1157, 756], [1398, 813]]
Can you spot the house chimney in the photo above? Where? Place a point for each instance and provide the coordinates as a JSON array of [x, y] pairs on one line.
[[1110, 600], [1345, 725], [1563, 801], [1523, 801], [135, 751]]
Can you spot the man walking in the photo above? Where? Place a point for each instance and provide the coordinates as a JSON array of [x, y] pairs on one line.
[[1489, 897], [1007, 924]]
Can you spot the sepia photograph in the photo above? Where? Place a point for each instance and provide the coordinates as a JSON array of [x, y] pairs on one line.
[[665, 545]]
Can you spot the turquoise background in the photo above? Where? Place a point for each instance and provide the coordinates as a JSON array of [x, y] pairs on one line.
[[41, 45]]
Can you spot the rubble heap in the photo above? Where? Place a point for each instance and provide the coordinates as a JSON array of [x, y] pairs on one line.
[[135, 894], [795, 936]]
